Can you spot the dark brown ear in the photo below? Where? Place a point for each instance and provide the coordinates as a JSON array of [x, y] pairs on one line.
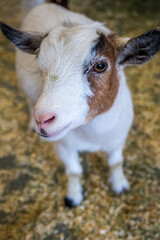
[[139, 50], [28, 42]]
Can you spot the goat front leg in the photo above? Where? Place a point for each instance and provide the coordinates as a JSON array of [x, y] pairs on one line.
[[73, 167], [117, 178]]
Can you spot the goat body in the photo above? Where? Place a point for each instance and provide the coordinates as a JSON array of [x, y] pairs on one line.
[[79, 95]]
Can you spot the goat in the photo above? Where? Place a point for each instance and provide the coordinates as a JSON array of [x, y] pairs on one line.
[[80, 97]]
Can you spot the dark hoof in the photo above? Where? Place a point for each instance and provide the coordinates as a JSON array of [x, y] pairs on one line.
[[69, 202]]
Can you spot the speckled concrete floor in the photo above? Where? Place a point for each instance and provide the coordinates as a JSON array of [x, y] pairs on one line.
[[32, 179]]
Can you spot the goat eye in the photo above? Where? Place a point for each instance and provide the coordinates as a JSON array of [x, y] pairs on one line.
[[100, 67]]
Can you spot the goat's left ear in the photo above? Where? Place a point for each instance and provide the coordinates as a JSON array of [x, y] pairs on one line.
[[139, 50], [28, 42]]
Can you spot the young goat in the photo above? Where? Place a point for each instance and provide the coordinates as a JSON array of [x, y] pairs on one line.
[[80, 97]]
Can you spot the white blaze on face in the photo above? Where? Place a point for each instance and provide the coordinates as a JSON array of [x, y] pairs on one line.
[[61, 59]]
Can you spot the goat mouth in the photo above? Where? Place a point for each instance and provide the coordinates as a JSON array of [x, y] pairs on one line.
[[54, 134]]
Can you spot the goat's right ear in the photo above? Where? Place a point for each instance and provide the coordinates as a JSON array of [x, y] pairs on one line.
[[137, 50], [28, 42]]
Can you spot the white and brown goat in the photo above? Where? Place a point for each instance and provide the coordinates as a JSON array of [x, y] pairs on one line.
[[80, 96]]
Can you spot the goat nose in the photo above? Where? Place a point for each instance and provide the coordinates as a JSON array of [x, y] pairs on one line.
[[44, 119]]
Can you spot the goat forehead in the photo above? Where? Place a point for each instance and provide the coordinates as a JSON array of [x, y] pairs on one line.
[[64, 46], [76, 34]]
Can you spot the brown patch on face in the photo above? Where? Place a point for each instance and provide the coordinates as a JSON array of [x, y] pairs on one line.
[[104, 85]]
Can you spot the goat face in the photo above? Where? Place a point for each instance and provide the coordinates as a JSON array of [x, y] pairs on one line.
[[65, 58], [78, 68], [79, 65]]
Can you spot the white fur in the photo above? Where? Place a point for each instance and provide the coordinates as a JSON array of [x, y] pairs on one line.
[[27, 5], [61, 88]]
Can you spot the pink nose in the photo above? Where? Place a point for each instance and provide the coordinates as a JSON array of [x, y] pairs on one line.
[[45, 119]]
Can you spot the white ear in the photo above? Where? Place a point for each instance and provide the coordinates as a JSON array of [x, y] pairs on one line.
[[26, 41], [139, 50]]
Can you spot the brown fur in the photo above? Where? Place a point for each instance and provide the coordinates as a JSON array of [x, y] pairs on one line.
[[104, 85]]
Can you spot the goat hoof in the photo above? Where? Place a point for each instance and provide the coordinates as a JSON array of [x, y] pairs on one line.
[[121, 186], [69, 202]]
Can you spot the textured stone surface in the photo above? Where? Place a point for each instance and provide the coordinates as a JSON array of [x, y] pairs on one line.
[[33, 183]]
